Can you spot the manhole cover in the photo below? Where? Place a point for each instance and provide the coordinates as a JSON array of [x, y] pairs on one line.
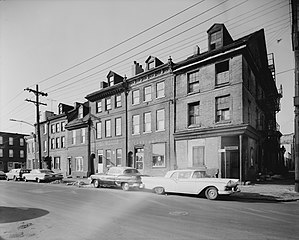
[[179, 213]]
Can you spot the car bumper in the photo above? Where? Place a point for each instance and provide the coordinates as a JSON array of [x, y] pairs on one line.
[[230, 191], [137, 185]]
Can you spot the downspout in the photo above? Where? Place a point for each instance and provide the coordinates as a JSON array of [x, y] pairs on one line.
[[126, 120]]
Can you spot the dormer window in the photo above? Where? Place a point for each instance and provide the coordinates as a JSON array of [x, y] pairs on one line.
[[216, 40], [151, 65], [111, 81], [60, 109], [80, 112]]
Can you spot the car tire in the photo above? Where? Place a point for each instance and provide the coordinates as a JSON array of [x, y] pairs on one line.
[[159, 190], [125, 186], [96, 184], [211, 193]]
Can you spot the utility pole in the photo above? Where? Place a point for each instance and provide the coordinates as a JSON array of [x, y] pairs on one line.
[[37, 103], [295, 43]]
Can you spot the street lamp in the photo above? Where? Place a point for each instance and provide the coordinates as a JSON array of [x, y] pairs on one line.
[[34, 136]]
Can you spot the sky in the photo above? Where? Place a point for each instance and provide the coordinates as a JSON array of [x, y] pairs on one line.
[[67, 47]]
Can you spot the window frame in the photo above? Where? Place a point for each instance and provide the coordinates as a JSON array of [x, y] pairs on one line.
[[160, 93], [108, 104], [108, 127], [136, 124], [99, 106], [194, 115], [118, 126], [160, 120], [147, 124], [147, 96], [222, 73], [135, 98], [223, 110], [193, 82]]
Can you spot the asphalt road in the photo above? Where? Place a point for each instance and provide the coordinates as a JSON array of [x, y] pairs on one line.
[[56, 211]]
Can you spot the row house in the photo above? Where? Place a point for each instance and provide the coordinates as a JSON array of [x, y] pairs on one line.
[[215, 110], [13, 152]]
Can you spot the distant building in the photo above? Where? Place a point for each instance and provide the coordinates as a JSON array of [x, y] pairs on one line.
[[13, 151], [287, 142]]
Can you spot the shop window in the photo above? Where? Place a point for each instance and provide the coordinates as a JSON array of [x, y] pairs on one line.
[[158, 154]]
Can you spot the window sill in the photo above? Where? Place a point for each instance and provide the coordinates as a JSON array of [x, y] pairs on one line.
[[147, 132], [194, 126], [223, 122], [222, 85], [192, 93], [162, 130]]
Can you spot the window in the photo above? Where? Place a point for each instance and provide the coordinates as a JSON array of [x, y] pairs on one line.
[[21, 153], [80, 112], [99, 129], [56, 162], [118, 156], [118, 126], [193, 82], [21, 141], [160, 124], [151, 65], [10, 140], [1, 152], [62, 126], [99, 106], [62, 141], [57, 127], [1, 140], [45, 146], [158, 154], [83, 133], [111, 81], [136, 124], [136, 96], [147, 124], [45, 129], [79, 164], [108, 128], [108, 157], [74, 137], [57, 142], [148, 94], [222, 72], [216, 40], [198, 156], [10, 152], [108, 104], [222, 108], [118, 101], [160, 90], [52, 143], [52, 128], [193, 114], [60, 109]]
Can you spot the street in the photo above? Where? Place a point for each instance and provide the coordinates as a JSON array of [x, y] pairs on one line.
[[56, 211]]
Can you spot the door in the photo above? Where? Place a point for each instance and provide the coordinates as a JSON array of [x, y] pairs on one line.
[[100, 161], [69, 168], [139, 158]]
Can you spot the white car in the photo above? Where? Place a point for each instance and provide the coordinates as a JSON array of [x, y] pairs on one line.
[[39, 175], [190, 181]]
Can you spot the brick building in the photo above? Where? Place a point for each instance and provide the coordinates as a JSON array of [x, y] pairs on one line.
[[13, 151], [214, 110]]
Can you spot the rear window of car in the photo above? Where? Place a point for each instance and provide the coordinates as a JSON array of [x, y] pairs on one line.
[[131, 171]]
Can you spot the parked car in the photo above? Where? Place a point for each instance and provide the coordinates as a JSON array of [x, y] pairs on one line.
[[39, 175], [16, 174], [124, 177], [2, 175], [189, 181]]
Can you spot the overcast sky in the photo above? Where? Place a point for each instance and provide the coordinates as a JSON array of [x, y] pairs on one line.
[[68, 46]]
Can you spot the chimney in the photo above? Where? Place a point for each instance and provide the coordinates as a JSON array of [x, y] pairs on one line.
[[136, 68], [196, 50]]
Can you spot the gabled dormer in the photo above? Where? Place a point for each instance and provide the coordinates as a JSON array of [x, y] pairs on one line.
[[64, 108], [152, 62], [218, 36], [113, 78]]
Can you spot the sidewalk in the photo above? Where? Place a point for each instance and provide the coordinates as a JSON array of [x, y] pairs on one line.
[[280, 189]]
